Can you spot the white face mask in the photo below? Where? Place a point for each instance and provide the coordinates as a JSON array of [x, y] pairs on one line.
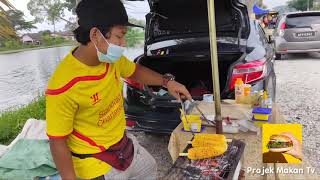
[[114, 52]]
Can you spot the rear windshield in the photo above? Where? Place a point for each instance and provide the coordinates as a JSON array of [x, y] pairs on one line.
[[302, 20]]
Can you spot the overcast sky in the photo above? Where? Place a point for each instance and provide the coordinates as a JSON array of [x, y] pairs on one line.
[[136, 10], [274, 3]]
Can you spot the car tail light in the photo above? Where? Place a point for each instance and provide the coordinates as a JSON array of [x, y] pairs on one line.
[[130, 123], [134, 84], [282, 28], [248, 72]]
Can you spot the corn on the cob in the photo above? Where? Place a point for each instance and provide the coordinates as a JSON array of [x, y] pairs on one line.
[[205, 142], [210, 137], [205, 152]]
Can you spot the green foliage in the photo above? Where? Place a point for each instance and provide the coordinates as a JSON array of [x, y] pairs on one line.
[[11, 122], [46, 32], [301, 5], [71, 5], [134, 37], [16, 18], [6, 29], [50, 10], [48, 40], [12, 43]]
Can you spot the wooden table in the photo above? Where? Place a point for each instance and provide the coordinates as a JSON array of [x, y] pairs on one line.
[[252, 156]]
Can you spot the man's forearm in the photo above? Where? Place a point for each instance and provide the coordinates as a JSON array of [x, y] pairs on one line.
[[62, 158], [147, 76]]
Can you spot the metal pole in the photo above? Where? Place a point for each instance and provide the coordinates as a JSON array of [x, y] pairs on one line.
[[214, 65], [308, 5]]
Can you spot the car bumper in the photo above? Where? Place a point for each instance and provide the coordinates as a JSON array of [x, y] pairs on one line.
[[284, 47]]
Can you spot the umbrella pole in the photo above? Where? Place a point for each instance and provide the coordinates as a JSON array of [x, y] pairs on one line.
[[214, 65]]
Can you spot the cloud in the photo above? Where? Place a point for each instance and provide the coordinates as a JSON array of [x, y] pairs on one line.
[[136, 10], [274, 3]]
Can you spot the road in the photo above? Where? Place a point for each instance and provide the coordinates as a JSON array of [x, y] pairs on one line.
[[298, 94]]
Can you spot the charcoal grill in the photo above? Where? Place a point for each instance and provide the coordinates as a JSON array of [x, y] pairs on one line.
[[219, 168]]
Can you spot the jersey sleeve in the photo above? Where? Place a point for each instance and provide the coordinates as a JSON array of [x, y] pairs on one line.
[[60, 112], [127, 67]]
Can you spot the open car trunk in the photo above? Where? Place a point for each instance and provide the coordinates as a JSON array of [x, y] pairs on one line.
[[193, 72], [172, 19]]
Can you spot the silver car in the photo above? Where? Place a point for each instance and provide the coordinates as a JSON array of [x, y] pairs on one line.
[[297, 33]]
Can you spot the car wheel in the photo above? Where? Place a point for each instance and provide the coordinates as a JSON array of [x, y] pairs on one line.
[[270, 86], [278, 56]]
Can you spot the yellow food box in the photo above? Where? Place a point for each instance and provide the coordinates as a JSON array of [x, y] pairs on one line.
[[261, 117], [193, 122]]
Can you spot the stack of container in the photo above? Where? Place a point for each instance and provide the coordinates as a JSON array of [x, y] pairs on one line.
[[261, 115]]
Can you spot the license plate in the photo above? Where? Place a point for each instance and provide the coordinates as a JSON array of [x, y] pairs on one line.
[[306, 34]]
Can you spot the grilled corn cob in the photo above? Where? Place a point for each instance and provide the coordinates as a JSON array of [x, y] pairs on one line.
[[207, 142], [210, 137], [204, 152]]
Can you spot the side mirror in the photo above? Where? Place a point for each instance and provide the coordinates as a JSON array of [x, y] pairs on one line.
[[270, 39]]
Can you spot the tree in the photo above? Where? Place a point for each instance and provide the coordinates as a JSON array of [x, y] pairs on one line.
[[71, 26], [17, 20], [50, 10], [6, 28], [45, 33], [301, 5], [71, 5], [135, 35]]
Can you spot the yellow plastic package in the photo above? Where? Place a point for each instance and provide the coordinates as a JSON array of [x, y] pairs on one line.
[[193, 122]]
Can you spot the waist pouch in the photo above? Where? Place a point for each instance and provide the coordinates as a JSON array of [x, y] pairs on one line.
[[119, 155]]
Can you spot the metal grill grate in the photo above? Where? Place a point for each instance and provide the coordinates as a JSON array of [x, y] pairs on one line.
[[218, 168]]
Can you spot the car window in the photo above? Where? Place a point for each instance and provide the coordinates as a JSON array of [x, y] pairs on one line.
[[302, 21], [262, 34], [278, 22], [256, 41]]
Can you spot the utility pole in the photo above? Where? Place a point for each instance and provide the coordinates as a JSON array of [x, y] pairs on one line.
[[308, 5]]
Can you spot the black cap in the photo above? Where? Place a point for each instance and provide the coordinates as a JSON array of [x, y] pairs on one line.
[[102, 13]]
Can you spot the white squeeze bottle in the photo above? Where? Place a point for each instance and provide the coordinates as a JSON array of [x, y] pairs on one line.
[[238, 90]]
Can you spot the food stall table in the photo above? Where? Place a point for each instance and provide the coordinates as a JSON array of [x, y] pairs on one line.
[[252, 155]]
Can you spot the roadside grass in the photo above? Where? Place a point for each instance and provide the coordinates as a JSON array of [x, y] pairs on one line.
[[12, 122]]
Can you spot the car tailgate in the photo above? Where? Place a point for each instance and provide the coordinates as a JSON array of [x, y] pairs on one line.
[[302, 27]]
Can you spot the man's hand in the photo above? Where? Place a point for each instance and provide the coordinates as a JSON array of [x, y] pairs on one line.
[[296, 151], [175, 89]]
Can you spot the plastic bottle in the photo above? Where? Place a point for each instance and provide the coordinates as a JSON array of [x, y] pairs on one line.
[[266, 103], [246, 94], [238, 90]]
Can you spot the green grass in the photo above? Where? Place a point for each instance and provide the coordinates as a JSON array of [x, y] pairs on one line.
[[12, 122]]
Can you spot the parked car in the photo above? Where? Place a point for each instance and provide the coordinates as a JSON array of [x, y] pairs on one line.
[[177, 42], [297, 32]]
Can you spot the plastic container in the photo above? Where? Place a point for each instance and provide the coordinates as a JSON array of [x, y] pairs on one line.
[[246, 94], [261, 122], [261, 114], [208, 98], [238, 90], [246, 89], [232, 128], [193, 123]]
